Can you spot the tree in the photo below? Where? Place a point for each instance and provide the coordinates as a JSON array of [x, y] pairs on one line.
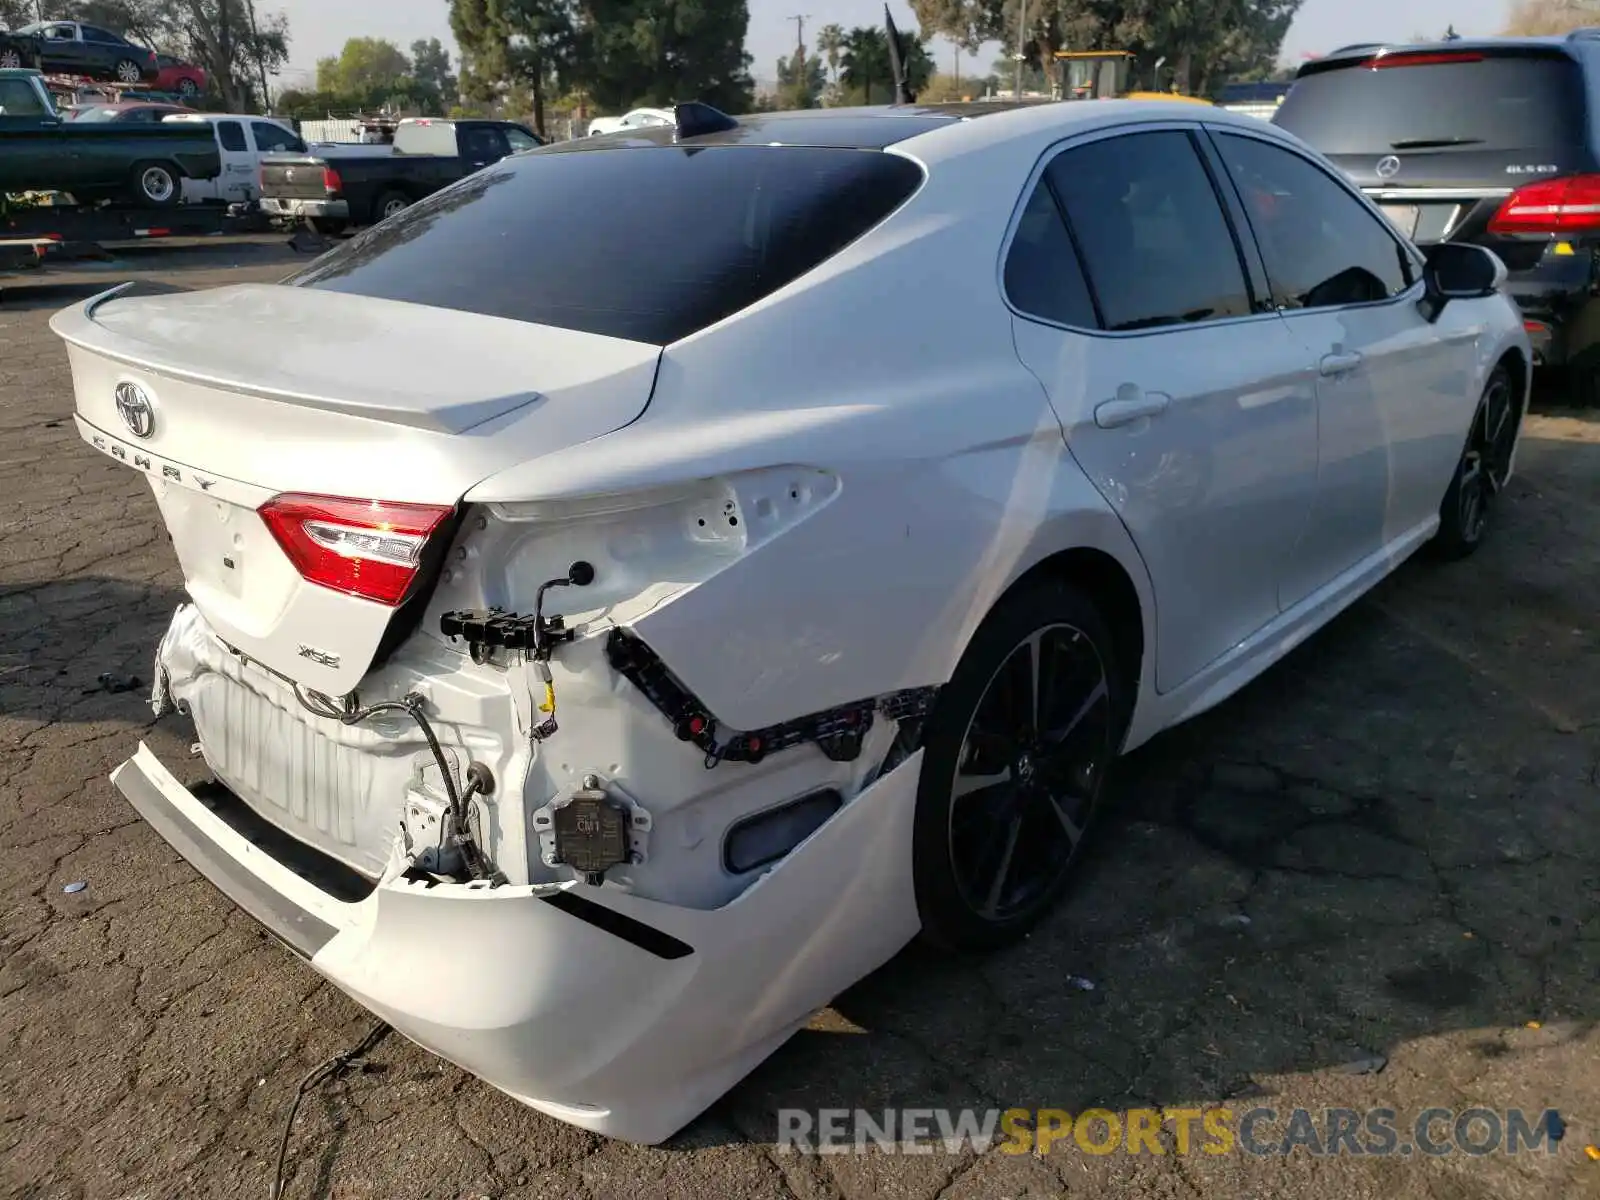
[[1197, 42], [830, 44], [365, 65], [1535, 18], [800, 81], [865, 64], [660, 51], [430, 67], [512, 51]]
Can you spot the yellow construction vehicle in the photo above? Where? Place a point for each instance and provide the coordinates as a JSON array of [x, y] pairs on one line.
[[1103, 75]]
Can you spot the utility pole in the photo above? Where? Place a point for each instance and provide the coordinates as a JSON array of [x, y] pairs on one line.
[[1022, 40], [958, 68]]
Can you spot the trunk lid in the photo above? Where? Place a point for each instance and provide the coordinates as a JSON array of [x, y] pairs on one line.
[[294, 178], [255, 391]]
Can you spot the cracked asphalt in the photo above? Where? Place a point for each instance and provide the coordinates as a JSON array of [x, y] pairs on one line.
[[1370, 880]]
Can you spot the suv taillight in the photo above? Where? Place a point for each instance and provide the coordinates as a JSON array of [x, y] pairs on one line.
[[331, 183], [367, 548], [1570, 204]]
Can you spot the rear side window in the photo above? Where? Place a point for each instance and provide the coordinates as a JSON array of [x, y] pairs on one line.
[[1043, 276], [1158, 248], [231, 135], [649, 244], [1443, 102]]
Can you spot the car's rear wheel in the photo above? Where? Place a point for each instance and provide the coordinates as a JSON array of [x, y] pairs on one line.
[[10, 59], [188, 88], [1016, 756], [327, 226], [1482, 470], [389, 204], [128, 71], [156, 185]]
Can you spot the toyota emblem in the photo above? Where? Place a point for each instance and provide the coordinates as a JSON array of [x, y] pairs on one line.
[[135, 409], [1388, 167]]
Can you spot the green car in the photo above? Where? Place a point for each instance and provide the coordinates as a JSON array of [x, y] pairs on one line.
[[144, 164]]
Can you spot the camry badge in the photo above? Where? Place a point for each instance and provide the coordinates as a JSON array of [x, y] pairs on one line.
[[1388, 167], [135, 409]]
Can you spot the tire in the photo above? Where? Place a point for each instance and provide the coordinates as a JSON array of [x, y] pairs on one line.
[[1481, 472], [188, 89], [388, 204], [327, 226], [989, 861], [127, 71], [10, 59], [156, 185], [1580, 379]]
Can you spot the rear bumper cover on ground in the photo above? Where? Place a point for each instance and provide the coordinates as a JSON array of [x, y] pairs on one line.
[[561, 1010]]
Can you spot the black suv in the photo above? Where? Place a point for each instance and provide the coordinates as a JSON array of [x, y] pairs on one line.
[[1493, 141]]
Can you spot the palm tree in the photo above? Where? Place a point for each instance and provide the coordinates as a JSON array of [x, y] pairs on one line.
[[830, 41], [866, 60]]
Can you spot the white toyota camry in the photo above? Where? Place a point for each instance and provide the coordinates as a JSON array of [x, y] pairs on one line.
[[635, 591]]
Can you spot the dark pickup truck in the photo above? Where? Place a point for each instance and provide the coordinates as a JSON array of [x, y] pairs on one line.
[[142, 163], [334, 187]]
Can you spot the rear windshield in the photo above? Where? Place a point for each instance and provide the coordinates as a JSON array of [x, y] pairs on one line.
[[1501, 102], [645, 243]]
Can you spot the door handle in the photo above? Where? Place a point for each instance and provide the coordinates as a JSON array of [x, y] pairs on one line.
[[1131, 404], [1339, 364]]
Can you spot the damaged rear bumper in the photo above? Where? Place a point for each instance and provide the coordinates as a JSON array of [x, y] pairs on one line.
[[624, 1015]]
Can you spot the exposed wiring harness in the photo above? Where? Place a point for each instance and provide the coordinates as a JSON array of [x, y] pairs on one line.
[[333, 1067], [352, 713]]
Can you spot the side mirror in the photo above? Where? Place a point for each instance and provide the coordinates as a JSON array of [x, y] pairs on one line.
[[1458, 271]]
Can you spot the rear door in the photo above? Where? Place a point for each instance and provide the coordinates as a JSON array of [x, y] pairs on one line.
[[1390, 384], [103, 50], [239, 178], [1188, 404], [1439, 138]]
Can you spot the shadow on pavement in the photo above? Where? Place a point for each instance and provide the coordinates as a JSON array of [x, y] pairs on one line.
[[1386, 840], [58, 638]]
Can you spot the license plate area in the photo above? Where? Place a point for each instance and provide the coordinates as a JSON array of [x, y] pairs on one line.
[[215, 539]]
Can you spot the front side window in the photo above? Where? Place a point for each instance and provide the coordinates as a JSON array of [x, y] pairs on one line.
[[1158, 248], [1320, 245], [520, 139], [649, 243], [272, 138]]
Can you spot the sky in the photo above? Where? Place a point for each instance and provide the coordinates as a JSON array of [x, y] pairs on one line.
[[319, 27]]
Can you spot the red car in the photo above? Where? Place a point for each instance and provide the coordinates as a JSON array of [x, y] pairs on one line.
[[180, 77]]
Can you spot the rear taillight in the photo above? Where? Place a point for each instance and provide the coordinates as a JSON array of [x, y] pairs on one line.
[[1570, 204], [367, 548], [331, 183]]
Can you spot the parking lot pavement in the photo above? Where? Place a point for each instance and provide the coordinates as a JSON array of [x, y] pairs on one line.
[[1370, 880]]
